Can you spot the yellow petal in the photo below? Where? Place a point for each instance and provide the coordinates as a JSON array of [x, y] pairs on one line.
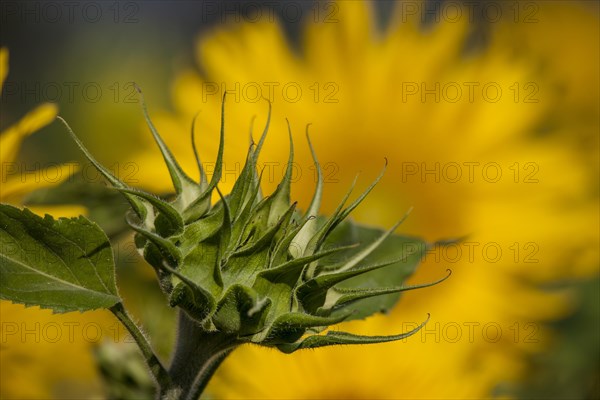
[[10, 140], [19, 183], [57, 211], [3, 65]]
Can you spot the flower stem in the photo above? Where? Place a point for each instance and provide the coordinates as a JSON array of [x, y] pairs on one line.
[[197, 356], [158, 371], [206, 373]]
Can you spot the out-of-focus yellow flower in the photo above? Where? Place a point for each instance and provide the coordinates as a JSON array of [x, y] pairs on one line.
[[43, 355], [570, 59], [465, 147], [14, 185]]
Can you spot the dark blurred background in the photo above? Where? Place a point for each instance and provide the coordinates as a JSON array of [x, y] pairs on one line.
[[87, 53]]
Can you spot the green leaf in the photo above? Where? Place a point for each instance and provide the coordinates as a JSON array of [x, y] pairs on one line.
[[65, 264]]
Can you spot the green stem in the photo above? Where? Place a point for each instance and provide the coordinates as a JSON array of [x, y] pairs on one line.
[[196, 358], [156, 368], [206, 373]]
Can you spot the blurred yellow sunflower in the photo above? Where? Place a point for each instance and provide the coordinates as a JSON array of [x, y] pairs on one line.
[[42, 355], [556, 51], [14, 185], [470, 143]]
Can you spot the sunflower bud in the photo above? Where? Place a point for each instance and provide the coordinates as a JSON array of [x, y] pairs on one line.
[[256, 268]]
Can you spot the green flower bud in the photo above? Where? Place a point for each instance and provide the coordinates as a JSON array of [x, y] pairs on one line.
[[258, 270]]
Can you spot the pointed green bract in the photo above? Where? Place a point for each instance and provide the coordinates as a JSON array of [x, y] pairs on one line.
[[171, 252], [185, 187], [201, 204], [241, 311], [281, 196], [333, 338], [258, 270], [140, 207], [164, 209], [64, 264], [342, 297], [203, 178], [310, 228]]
